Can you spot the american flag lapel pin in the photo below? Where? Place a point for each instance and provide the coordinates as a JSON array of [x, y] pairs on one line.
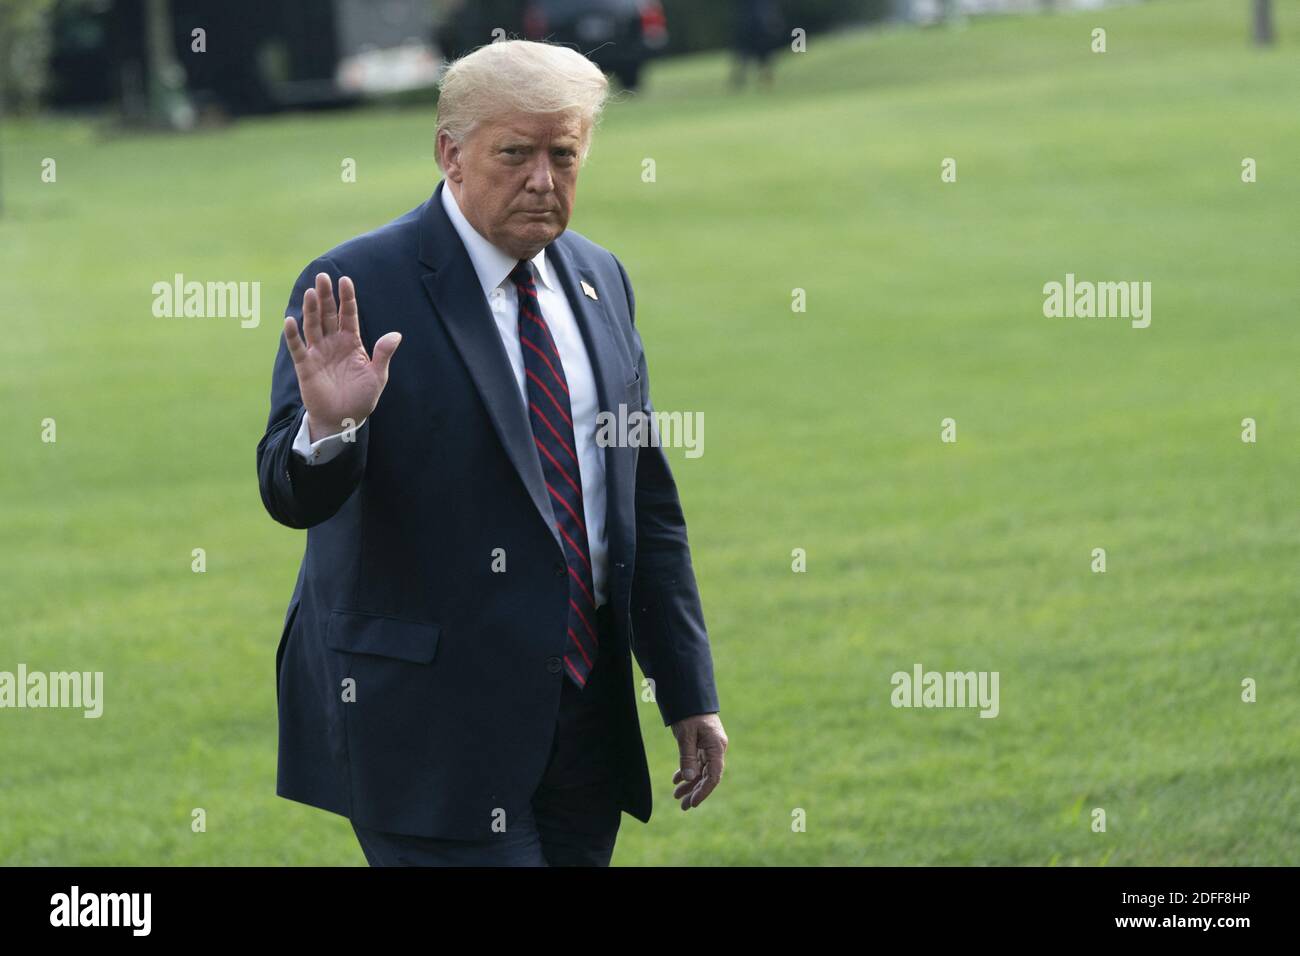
[[587, 290]]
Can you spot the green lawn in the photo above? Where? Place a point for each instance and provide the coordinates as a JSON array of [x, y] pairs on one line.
[[924, 301]]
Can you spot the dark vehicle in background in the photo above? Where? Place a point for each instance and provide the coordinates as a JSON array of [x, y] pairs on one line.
[[256, 56], [619, 36]]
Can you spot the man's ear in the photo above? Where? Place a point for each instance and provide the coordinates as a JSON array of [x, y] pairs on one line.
[[449, 153]]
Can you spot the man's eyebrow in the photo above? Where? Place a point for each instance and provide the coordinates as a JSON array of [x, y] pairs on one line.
[[527, 136], [523, 141]]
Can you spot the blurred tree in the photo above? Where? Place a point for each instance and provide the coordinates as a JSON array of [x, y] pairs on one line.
[[25, 39], [24, 55], [168, 103]]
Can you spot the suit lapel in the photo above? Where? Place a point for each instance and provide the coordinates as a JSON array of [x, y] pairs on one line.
[[458, 300]]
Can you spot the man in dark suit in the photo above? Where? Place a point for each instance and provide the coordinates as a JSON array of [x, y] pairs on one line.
[[454, 674]]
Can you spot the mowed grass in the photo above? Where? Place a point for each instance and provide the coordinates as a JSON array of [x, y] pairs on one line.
[[1118, 690]]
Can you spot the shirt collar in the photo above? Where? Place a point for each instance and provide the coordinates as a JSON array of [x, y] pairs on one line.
[[492, 265]]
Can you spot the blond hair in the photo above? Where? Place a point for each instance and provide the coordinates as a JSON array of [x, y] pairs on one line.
[[520, 75]]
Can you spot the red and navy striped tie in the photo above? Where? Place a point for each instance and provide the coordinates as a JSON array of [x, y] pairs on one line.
[[551, 416]]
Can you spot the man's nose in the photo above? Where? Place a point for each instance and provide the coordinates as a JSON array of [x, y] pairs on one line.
[[539, 177]]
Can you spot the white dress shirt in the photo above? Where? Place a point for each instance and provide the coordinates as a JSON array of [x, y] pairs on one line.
[[493, 267]]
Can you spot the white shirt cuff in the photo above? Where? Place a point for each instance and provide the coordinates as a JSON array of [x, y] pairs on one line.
[[327, 448]]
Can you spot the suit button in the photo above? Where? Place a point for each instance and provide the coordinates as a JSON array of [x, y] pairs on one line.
[[560, 569], [553, 665]]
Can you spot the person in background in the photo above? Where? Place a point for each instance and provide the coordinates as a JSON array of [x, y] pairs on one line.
[[760, 31]]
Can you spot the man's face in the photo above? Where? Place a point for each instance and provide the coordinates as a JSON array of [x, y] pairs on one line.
[[514, 178]]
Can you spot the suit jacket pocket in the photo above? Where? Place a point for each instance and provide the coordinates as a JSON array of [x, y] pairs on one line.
[[360, 632], [386, 692]]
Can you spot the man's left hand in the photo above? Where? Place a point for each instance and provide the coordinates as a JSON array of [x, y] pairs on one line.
[[701, 741]]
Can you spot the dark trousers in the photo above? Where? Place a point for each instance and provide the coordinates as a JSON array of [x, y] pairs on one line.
[[574, 814]]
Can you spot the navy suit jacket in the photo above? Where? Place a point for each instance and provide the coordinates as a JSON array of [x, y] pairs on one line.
[[457, 667]]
